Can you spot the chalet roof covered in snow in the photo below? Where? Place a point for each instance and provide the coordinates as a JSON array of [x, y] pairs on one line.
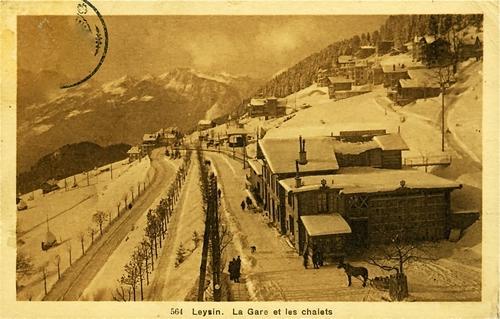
[[205, 122], [281, 153], [345, 59], [134, 150], [256, 165], [258, 102], [391, 142], [370, 180], [339, 79], [420, 78], [237, 131], [427, 38], [394, 68], [344, 147], [149, 137], [326, 224]]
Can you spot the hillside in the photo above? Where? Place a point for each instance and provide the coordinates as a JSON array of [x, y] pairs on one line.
[[398, 28], [120, 111], [69, 160]]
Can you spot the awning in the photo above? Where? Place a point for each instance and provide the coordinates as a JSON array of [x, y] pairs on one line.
[[328, 224]]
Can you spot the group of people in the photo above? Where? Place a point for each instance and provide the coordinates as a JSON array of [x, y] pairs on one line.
[[246, 203], [317, 257], [235, 269]]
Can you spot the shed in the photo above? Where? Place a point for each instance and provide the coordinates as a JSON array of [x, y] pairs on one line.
[[326, 224]]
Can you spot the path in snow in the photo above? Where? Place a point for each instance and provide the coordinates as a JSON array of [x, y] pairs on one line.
[[170, 282], [74, 280], [275, 271]]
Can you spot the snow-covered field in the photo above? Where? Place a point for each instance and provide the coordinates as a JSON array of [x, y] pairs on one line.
[[107, 278], [69, 215]]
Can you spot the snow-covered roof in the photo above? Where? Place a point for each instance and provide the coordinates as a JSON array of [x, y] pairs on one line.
[[367, 47], [420, 78], [339, 79], [281, 154], [428, 38], [391, 142], [237, 131], [149, 137], [370, 180], [394, 68], [345, 59], [205, 122], [258, 102], [343, 147], [325, 224], [134, 150], [256, 165]]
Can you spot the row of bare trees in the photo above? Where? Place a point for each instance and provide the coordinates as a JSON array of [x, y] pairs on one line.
[[142, 261], [216, 237], [86, 239]]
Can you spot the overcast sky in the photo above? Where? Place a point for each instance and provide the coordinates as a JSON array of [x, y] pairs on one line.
[[258, 46]]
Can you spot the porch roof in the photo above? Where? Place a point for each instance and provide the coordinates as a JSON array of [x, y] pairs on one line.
[[326, 224]]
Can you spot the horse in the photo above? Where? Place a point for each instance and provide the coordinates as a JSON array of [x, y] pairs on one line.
[[352, 271]]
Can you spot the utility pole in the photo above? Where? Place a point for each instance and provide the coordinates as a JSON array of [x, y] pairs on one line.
[[215, 238], [442, 115]]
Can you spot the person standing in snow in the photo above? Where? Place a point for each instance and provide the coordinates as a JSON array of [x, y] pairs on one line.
[[232, 264], [306, 258], [242, 205], [237, 269]]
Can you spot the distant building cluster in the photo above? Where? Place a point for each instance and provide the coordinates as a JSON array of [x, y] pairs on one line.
[[352, 75], [269, 107], [348, 191], [150, 141]]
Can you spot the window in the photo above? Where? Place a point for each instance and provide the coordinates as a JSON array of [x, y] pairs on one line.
[[322, 202]]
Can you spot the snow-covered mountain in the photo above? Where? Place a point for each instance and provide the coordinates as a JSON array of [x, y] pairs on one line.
[[121, 110]]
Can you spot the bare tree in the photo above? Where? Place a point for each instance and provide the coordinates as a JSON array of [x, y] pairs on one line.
[[138, 261], [91, 232], [57, 262], [24, 266], [144, 249], [81, 236], [395, 257], [43, 269], [122, 294], [99, 218], [68, 248], [130, 278]]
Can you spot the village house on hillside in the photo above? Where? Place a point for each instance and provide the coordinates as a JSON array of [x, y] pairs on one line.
[[471, 46], [322, 78], [393, 73], [134, 153], [205, 125], [422, 84], [337, 191], [269, 107], [149, 142], [365, 51]]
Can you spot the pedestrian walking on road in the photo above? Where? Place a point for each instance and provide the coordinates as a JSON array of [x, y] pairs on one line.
[[232, 265], [237, 270], [306, 258], [219, 192], [242, 205]]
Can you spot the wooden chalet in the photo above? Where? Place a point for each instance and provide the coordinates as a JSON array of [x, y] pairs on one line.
[[421, 84], [268, 107], [471, 47], [134, 153], [149, 142], [322, 78], [338, 84], [237, 137], [205, 125], [365, 51], [279, 157], [377, 74], [393, 73], [375, 203]]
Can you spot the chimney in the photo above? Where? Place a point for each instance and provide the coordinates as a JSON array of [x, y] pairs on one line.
[[298, 180], [302, 151]]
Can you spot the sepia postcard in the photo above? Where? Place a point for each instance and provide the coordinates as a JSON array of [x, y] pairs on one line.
[[249, 159]]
